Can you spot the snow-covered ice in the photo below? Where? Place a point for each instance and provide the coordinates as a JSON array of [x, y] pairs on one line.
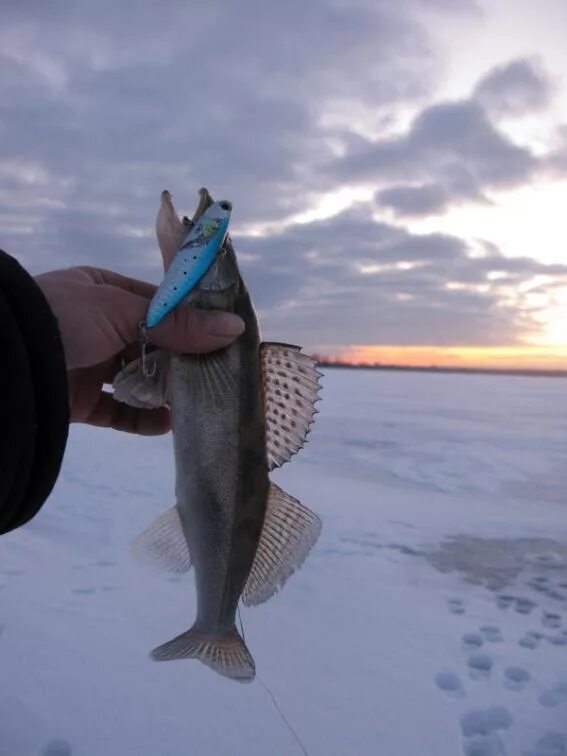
[[431, 618]]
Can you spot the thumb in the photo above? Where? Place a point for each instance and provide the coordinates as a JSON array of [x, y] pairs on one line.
[[188, 329]]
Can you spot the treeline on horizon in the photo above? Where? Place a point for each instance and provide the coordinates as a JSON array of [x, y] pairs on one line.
[[330, 362]]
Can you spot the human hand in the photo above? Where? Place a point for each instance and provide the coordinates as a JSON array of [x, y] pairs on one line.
[[98, 312]]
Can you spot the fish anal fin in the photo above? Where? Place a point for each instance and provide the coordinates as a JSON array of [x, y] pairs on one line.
[[227, 655], [291, 386], [162, 544], [132, 387], [289, 533]]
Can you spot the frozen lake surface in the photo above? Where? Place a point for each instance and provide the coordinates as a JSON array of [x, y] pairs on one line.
[[430, 620]]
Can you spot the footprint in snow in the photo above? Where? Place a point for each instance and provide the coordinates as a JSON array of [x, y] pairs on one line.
[[491, 633], [455, 606], [83, 591], [551, 744], [505, 600], [480, 666], [13, 573], [472, 641], [105, 563], [530, 640], [57, 747], [516, 678], [554, 697], [552, 620], [540, 583], [558, 640], [484, 745], [524, 606], [450, 684], [480, 729]]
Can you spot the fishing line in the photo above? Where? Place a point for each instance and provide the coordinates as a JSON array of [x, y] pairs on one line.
[[269, 692]]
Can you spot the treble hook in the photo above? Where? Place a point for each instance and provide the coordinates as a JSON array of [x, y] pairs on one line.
[[148, 366]]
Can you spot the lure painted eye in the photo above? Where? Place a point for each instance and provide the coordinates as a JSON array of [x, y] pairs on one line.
[[225, 205]]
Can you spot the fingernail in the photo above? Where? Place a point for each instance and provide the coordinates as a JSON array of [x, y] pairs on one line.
[[224, 324]]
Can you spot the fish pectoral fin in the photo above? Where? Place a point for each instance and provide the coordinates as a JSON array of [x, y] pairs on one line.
[[163, 544], [291, 386], [149, 391], [227, 655], [289, 533]]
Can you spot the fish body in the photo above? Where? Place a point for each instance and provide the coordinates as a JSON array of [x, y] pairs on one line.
[[194, 257], [236, 414], [222, 471]]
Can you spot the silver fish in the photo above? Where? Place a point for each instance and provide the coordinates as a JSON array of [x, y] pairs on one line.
[[236, 414]]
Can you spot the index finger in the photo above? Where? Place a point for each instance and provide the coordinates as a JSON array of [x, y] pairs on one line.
[[133, 285]]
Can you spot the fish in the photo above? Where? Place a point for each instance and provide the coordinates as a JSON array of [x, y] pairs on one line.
[[192, 260], [237, 414]]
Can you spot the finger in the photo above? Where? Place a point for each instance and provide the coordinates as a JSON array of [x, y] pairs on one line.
[[133, 285], [109, 413], [185, 330]]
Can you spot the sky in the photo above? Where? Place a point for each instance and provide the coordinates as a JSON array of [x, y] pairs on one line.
[[398, 171]]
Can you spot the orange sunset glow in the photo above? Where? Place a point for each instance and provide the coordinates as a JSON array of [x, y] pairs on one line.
[[504, 358]]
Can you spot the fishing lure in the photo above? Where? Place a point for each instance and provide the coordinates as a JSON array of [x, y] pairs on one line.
[[191, 262]]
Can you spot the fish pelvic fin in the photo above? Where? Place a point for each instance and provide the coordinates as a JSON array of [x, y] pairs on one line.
[[289, 533], [291, 386], [227, 655], [132, 387], [162, 544]]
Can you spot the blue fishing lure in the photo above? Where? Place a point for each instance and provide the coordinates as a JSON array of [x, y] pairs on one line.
[[191, 261]]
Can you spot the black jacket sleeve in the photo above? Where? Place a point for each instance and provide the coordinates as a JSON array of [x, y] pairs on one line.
[[34, 399]]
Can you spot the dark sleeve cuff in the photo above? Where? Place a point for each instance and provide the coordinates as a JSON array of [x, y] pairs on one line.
[[34, 403]]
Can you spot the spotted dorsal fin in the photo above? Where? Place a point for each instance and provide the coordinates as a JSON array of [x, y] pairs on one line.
[[291, 388]]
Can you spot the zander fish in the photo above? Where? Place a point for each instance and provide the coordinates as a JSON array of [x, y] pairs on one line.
[[236, 414]]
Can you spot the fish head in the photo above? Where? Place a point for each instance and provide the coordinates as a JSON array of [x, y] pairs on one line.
[[220, 285]]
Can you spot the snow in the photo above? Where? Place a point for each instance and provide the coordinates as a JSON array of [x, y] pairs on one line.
[[431, 617]]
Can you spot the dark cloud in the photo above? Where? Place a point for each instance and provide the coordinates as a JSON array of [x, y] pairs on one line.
[[443, 140], [428, 199], [425, 199], [350, 279], [112, 102], [515, 88]]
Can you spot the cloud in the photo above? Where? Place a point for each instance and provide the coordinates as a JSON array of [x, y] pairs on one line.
[[456, 186], [446, 139], [516, 88], [103, 107], [115, 102], [350, 279]]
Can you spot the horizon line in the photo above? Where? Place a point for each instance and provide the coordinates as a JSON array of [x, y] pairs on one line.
[[518, 357]]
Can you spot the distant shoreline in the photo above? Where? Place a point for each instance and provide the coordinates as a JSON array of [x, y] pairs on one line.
[[533, 373]]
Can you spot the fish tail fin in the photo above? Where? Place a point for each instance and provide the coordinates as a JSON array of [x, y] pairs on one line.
[[227, 655]]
